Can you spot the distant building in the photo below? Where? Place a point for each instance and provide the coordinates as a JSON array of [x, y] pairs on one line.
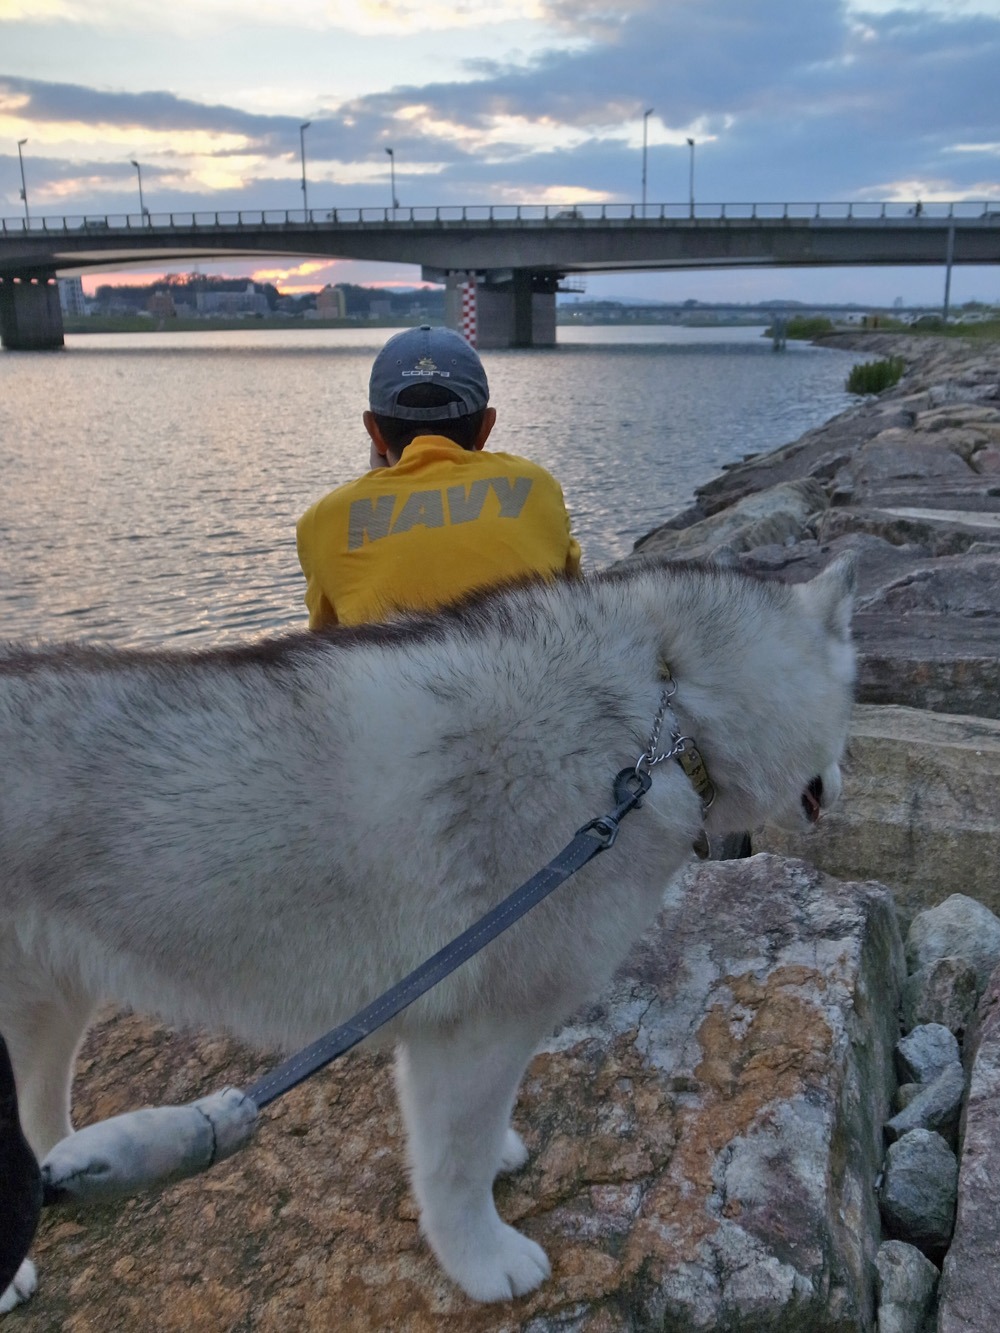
[[247, 302], [71, 298], [379, 307], [162, 305], [330, 303]]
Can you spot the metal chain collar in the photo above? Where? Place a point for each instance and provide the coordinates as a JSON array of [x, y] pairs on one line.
[[682, 748]]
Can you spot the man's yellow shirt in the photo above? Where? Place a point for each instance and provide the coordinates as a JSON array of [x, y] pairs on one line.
[[440, 523]]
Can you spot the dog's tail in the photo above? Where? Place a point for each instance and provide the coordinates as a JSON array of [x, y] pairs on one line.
[[20, 1179]]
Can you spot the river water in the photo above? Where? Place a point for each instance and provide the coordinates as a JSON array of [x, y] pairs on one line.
[[151, 482]]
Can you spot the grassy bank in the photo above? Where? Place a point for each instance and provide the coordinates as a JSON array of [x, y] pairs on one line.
[[988, 330]]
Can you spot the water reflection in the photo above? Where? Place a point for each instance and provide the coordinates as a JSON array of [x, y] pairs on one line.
[[152, 481]]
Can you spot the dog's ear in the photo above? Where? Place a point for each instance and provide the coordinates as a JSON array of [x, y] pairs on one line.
[[830, 595]]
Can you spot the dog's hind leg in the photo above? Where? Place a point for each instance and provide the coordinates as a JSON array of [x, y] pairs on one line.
[[43, 1024], [457, 1089]]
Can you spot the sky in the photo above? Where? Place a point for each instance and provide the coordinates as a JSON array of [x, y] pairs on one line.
[[512, 101]]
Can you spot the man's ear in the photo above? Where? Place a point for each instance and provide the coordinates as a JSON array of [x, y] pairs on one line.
[[374, 434], [489, 421]]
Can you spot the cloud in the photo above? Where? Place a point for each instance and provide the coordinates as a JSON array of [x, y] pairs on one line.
[[75, 104], [828, 100], [369, 17]]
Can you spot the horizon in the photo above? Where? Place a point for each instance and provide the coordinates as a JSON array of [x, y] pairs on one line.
[[563, 299]]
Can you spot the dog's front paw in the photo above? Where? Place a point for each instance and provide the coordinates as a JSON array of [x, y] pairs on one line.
[[23, 1286], [514, 1154], [505, 1264]]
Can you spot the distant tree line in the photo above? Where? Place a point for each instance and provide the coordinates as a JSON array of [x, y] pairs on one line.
[[185, 288]]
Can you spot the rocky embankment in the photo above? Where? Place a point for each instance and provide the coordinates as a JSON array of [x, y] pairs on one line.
[[909, 480], [783, 1115]]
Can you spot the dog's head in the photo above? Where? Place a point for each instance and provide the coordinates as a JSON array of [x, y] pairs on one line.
[[789, 688], [825, 695]]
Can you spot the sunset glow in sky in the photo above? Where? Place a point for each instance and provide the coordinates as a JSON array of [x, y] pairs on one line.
[[517, 101]]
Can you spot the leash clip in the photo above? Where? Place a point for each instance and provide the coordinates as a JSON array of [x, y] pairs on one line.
[[604, 830], [630, 787]]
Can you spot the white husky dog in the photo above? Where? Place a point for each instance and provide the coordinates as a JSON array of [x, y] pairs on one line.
[[264, 838]]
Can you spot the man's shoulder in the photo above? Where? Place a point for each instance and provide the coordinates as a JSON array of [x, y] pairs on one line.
[[339, 499], [367, 484], [516, 463]]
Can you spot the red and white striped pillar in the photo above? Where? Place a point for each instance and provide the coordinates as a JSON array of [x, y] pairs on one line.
[[468, 321]]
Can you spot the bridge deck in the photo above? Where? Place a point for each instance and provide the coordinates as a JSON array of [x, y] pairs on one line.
[[575, 239]]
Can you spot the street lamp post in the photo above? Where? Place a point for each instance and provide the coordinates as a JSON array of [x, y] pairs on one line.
[[142, 206], [691, 176], [392, 176], [302, 150], [645, 124], [24, 188]]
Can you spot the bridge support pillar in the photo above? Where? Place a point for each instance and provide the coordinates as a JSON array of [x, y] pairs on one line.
[[30, 314], [515, 308]]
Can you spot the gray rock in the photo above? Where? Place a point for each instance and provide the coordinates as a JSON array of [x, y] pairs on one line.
[[920, 812], [919, 1190], [905, 1280], [756, 1025], [970, 1288], [946, 665], [945, 991], [937, 1105], [905, 1094], [944, 418], [928, 637], [758, 519], [916, 518], [878, 561], [967, 586], [898, 453], [959, 927], [923, 1053]]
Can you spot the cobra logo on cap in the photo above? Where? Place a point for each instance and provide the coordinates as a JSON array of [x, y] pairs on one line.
[[425, 366]]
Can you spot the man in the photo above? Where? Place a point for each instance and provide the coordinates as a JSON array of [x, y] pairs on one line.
[[437, 516]]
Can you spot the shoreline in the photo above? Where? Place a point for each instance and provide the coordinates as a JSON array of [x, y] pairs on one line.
[[929, 379]]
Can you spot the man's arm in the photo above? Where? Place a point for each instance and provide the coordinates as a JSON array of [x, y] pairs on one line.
[[573, 558], [322, 612]]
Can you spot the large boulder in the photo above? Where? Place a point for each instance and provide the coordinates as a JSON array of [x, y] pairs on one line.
[[942, 529], [919, 1190], [704, 1143], [960, 927], [928, 638], [920, 810], [970, 1290], [906, 1283], [773, 515]]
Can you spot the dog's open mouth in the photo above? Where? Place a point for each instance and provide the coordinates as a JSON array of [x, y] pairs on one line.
[[811, 798]]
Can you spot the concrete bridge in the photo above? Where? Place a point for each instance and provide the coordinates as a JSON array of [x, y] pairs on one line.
[[515, 256]]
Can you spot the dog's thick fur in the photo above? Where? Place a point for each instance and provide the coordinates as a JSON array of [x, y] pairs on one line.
[[263, 839]]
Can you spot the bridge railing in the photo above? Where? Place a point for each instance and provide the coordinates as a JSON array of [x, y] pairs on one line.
[[554, 215]]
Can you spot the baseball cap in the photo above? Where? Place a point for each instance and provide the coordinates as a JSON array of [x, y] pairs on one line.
[[427, 356]]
